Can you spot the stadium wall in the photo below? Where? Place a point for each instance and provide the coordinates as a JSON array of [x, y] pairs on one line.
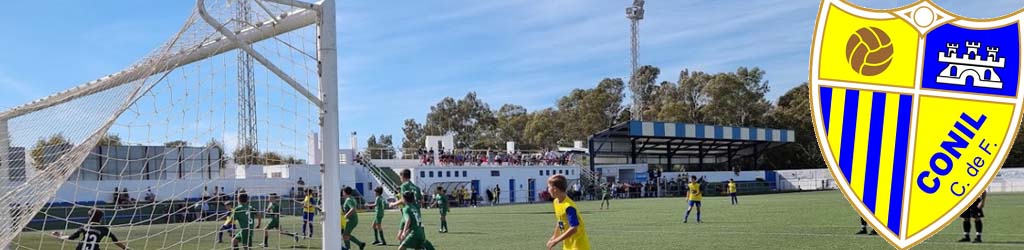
[[1007, 180], [513, 180], [717, 176], [631, 173]]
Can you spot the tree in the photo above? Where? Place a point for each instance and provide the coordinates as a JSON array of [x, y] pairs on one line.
[[109, 140], [293, 160], [271, 158], [469, 119], [49, 150], [644, 87], [386, 142], [693, 95], [543, 129], [793, 112], [371, 143], [441, 119], [512, 121], [738, 98], [414, 137], [380, 149], [1016, 154], [589, 110], [176, 144], [246, 155], [478, 123]]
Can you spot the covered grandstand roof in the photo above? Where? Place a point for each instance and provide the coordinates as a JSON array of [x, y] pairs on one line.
[[682, 143]]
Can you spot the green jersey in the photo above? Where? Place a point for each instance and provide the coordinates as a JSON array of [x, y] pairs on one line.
[[273, 212], [409, 187], [412, 215], [378, 206], [442, 201], [243, 216], [350, 204]]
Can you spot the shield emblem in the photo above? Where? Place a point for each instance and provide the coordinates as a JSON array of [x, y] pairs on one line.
[[915, 109]]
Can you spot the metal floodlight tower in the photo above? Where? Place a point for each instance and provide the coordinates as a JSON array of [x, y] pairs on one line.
[[635, 13], [247, 131]]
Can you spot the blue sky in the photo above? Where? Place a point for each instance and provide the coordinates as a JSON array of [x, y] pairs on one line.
[[398, 58]]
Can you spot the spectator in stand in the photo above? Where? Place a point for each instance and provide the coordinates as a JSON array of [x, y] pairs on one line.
[[291, 193], [490, 196], [206, 193], [497, 194], [474, 196], [430, 155], [458, 195], [204, 209], [301, 184], [149, 196], [126, 199], [116, 196]]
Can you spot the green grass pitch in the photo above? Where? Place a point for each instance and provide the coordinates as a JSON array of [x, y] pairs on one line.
[[815, 220]]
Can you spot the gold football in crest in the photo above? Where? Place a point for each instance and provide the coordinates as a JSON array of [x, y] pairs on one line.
[[869, 51]]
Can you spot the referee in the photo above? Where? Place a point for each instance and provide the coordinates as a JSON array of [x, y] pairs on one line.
[[974, 212]]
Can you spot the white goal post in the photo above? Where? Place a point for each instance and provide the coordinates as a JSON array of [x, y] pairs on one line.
[[321, 14]]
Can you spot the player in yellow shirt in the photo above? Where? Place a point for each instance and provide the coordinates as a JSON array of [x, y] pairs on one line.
[[569, 229], [308, 211], [732, 192], [228, 226], [466, 196], [694, 195]]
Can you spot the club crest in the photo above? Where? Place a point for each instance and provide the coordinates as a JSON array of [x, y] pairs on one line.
[[915, 109]]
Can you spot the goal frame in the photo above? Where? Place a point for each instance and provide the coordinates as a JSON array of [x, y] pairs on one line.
[[322, 14]]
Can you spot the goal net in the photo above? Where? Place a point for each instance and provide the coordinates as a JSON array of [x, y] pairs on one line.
[[229, 106]]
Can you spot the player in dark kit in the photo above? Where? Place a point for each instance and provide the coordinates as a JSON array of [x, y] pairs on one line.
[[864, 228], [605, 197], [273, 213], [974, 212], [92, 233]]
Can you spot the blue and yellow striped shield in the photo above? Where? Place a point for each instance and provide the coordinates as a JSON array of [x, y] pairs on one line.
[[915, 109]]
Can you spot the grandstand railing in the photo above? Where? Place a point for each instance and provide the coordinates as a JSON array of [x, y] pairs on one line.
[[387, 180]]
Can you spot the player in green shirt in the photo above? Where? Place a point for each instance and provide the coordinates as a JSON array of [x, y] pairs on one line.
[[351, 219], [242, 215], [605, 197], [378, 207], [273, 212], [412, 235], [441, 202], [408, 186]]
